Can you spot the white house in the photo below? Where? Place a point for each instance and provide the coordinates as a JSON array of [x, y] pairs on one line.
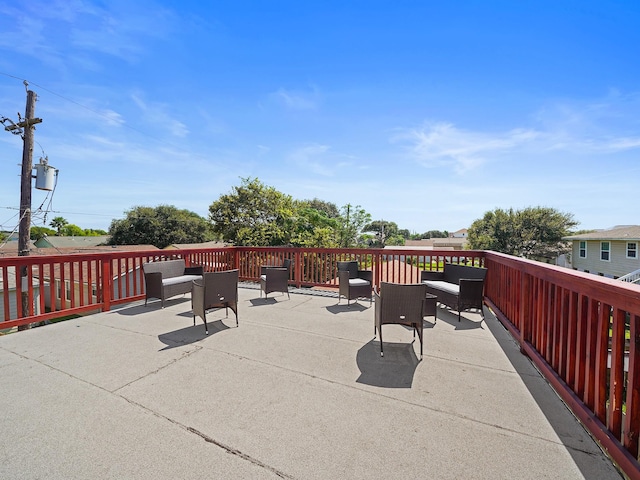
[[611, 253]]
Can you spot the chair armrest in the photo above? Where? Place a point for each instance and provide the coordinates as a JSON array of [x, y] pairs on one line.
[[366, 275], [431, 275], [153, 284], [377, 312], [153, 280], [194, 270], [471, 288], [343, 276], [197, 298]]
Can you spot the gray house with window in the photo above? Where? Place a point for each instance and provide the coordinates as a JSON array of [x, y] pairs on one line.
[[611, 253]]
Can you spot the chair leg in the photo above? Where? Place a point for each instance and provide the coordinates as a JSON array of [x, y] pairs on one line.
[[380, 336], [206, 327]]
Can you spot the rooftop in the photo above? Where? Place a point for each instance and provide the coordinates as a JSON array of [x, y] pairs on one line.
[[298, 390], [625, 232]]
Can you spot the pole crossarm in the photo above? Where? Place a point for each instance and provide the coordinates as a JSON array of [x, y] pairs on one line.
[[25, 123]]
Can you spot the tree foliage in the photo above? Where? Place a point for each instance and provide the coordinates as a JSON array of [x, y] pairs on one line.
[[328, 208], [36, 233], [253, 214], [351, 225], [385, 233], [313, 228], [434, 234], [535, 232], [259, 215], [160, 226], [58, 223], [71, 230]]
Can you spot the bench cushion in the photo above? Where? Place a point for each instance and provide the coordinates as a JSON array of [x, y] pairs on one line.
[[180, 279], [447, 287]]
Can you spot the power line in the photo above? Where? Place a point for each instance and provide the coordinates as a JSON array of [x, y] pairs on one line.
[[125, 125]]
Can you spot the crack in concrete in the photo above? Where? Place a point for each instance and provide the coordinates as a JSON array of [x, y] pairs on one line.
[[234, 451]]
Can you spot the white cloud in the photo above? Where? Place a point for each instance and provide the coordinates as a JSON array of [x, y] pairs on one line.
[[601, 127], [296, 100], [319, 159], [156, 114], [442, 144]]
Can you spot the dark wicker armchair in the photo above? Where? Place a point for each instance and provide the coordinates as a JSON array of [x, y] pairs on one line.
[[402, 305], [275, 279], [215, 290], [354, 283]]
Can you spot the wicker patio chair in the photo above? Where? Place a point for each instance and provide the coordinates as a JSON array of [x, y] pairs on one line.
[[402, 305], [215, 290], [274, 279], [354, 283]]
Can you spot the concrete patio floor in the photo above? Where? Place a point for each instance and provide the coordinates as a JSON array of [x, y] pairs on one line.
[[298, 390]]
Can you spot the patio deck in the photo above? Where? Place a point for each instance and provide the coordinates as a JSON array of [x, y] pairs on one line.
[[297, 391]]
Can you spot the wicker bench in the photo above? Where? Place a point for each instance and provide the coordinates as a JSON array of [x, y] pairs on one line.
[[169, 278], [460, 287]]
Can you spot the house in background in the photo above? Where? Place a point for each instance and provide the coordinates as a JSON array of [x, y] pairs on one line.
[[611, 253], [8, 298], [462, 233], [58, 286], [450, 243]]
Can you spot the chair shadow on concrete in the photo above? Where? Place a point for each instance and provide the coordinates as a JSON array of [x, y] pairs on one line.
[[259, 302], [395, 370], [192, 334], [450, 316], [343, 308], [132, 311]]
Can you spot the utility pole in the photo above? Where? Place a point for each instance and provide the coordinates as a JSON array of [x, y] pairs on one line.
[[28, 126]]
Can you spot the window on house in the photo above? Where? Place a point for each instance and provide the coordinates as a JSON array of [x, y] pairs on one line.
[[605, 251], [632, 250], [582, 248]]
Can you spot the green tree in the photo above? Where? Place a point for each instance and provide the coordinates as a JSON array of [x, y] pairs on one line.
[[58, 223], [383, 231], [160, 226], [313, 228], [430, 234], [328, 208], [253, 214], [71, 230], [36, 233], [352, 221], [91, 232], [404, 233], [535, 232]]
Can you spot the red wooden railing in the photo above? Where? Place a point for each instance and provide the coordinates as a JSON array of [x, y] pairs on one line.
[[572, 325]]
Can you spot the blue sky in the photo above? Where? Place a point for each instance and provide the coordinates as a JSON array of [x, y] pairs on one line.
[[424, 113]]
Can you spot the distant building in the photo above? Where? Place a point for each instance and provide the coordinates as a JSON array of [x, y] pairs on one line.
[[611, 253], [462, 233], [80, 284], [450, 243]]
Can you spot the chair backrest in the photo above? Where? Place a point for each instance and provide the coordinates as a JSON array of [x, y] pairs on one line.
[[402, 303], [220, 286], [169, 268], [351, 267], [286, 263], [453, 273]]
